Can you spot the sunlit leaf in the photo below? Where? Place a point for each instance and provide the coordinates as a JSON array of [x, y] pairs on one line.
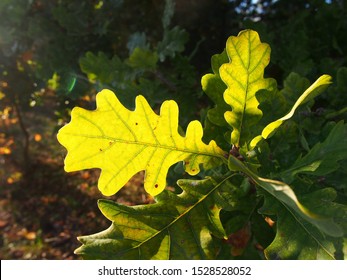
[[243, 76], [122, 142], [316, 88], [175, 227], [53, 83], [2, 95], [5, 151]]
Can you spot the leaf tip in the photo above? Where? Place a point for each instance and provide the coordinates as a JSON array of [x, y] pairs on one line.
[[255, 141]]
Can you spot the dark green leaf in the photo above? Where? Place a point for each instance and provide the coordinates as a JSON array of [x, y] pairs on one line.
[[143, 59], [323, 158], [172, 43], [298, 239], [176, 227], [286, 196], [101, 67], [214, 88]]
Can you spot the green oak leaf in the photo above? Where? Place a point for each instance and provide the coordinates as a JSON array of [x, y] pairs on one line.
[[137, 40], [173, 43], [143, 59], [323, 158], [243, 76], [122, 142], [100, 67], [175, 227], [286, 196], [296, 238], [316, 88], [214, 88]]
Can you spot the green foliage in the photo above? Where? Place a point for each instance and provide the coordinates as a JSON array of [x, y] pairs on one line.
[[305, 213], [57, 54], [82, 46], [315, 89], [290, 27], [297, 239], [148, 68], [175, 227], [323, 158]]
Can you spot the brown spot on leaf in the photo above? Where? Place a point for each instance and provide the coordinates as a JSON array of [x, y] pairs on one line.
[[269, 221], [156, 186], [239, 240]]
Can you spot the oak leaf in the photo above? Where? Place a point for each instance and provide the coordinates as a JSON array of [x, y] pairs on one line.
[[122, 142], [243, 76]]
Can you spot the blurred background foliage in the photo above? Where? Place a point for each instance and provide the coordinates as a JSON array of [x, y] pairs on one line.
[[57, 54]]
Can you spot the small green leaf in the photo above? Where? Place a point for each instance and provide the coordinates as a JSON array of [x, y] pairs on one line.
[[243, 76], [137, 39], [100, 67], [172, 43], [316, 88], [286, 196], [175, 227], [143, 59], [122, 142]]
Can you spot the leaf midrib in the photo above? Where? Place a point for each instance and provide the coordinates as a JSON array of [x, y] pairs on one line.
[[248, 83], [307, 230], [153, 145], [186, 212]]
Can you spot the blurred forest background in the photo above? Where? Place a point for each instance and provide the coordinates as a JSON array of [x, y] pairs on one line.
[[58, 54]]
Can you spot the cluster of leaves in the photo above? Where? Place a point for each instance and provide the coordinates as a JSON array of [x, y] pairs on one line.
[[54, 46], [34, 33], [298, 45], [63, 51], [269, 169], [157, 70]]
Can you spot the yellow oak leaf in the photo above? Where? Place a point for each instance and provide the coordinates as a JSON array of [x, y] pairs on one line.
[[243, 76], [121, 143]]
